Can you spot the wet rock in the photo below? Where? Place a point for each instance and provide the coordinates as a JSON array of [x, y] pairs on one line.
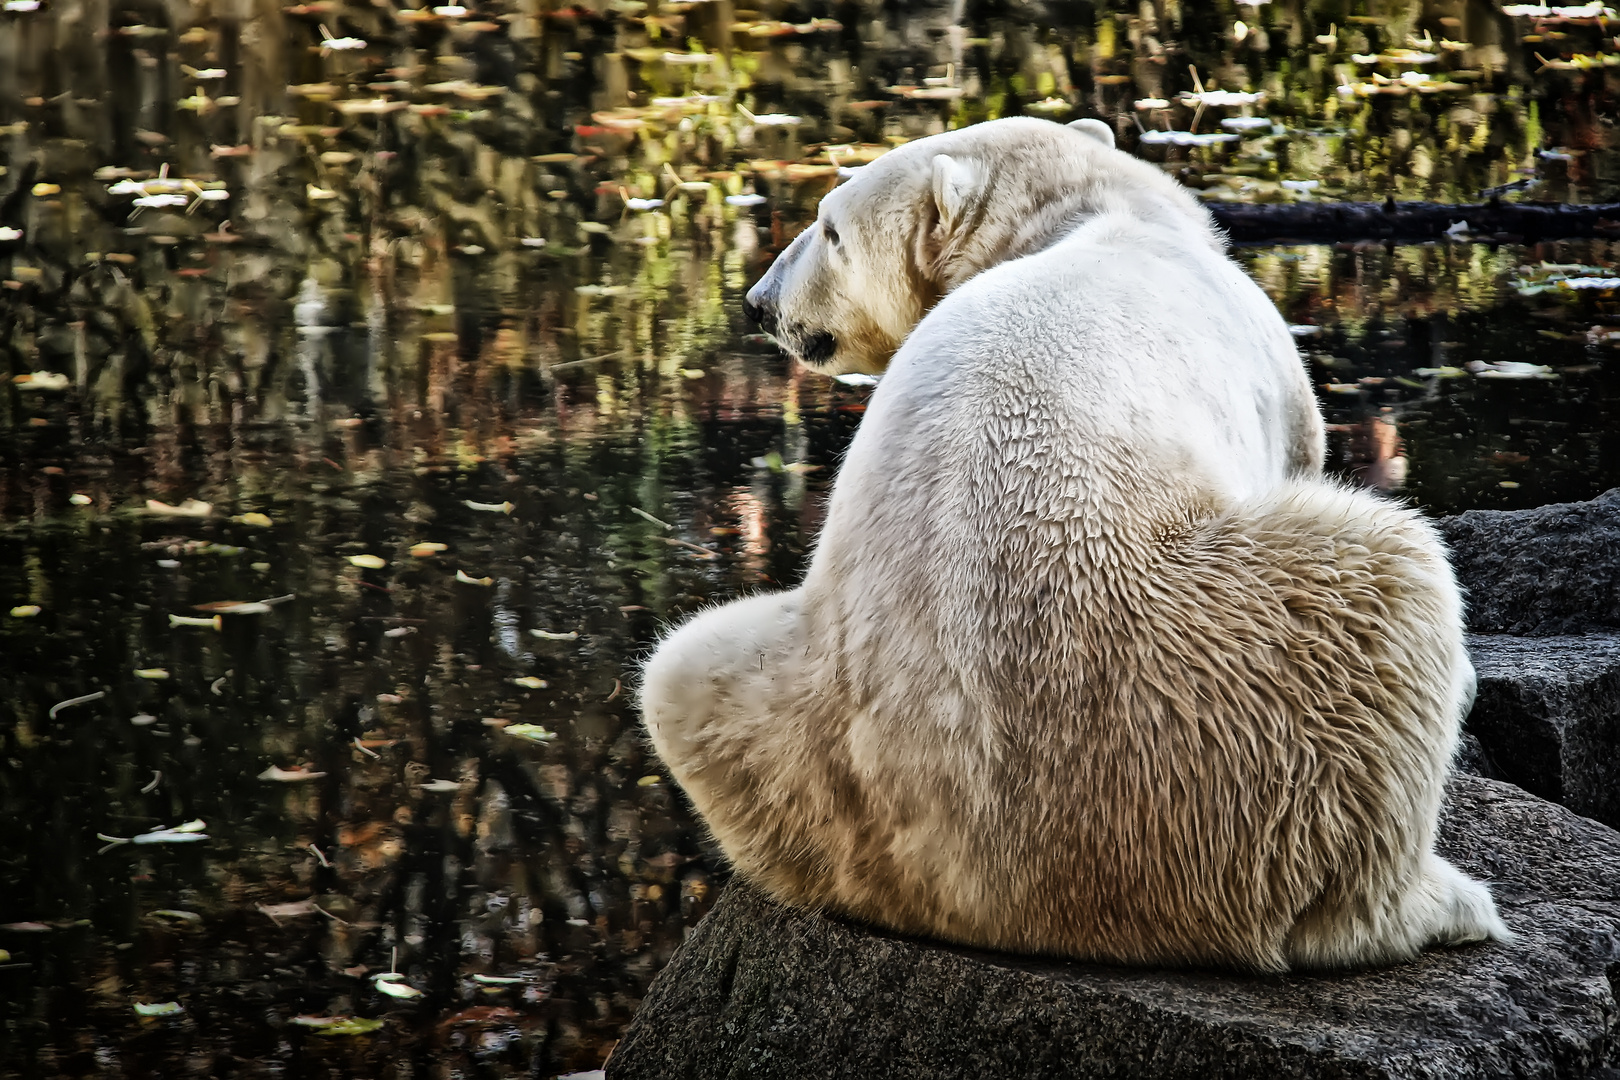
[[1547, 717], [1551, 570], [771, 993], [1472, 759]]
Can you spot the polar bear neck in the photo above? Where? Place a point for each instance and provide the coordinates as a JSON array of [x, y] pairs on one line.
[[1010, 219]]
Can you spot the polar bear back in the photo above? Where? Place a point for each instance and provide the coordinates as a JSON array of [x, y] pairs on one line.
[[1124, 331], [1046, 421]]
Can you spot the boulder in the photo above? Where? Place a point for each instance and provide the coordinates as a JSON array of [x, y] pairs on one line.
[[1547, 717], [1551, 570], [768, 992]]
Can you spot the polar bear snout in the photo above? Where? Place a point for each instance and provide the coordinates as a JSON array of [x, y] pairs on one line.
[[813, 347]]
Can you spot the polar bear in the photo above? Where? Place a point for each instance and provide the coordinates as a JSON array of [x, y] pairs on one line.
[[1089, 659]]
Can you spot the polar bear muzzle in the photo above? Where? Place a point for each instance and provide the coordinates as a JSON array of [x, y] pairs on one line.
[[812, 347]]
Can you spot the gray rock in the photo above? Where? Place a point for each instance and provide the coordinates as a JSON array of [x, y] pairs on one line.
[[1472, 759], [766, 992], [1551, 570], [1547, 717]]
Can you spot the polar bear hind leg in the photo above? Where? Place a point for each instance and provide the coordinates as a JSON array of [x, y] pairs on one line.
[[1401, 897], [1441, 906]]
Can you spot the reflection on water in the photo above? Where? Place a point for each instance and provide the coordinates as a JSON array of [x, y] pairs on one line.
[[412, 337], [1449, 374]]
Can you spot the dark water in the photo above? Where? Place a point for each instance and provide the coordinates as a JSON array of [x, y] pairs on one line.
[[405, 299]]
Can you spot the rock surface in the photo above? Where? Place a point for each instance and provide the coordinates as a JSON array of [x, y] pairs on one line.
[[1547, 717], [771, 993], [1551, 570]]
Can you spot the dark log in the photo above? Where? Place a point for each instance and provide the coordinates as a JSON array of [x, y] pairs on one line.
[[1333, 222]]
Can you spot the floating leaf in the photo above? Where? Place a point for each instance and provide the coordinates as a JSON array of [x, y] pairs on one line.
[[25, 611], [80, 500], [82, 699], [769, 119], [394, 985], [258, 520], [187, 620], [440, 786], [151, 673], [189, 833], [529, 682], [191, 508], [1186, 138], [493, 508], [1511, 369], [427, 547], [572, 635], [531, 732], [41, 380], [289, 776], [338, 1025], [368, 562], [289, 910], [176, 915], [649, 781], [233, 607], [158, 1009], [461, 576]]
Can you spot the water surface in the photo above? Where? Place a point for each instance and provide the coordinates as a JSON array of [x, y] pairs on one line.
[[476, 283]]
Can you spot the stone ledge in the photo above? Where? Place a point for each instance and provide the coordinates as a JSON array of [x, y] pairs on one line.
[[1547, 717], [767, 992], [1551, 570]]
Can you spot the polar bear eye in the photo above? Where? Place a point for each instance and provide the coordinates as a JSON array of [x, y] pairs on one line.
[[829, 232]]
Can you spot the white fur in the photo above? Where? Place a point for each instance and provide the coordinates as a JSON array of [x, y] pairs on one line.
[[1089, 659]]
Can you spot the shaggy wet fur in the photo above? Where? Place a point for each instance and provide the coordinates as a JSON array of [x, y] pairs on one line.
[[1089, 660]]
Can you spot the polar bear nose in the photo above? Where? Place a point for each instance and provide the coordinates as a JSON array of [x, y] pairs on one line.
[[762, 315]]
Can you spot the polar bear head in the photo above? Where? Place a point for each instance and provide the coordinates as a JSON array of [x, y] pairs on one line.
[[927, 216]]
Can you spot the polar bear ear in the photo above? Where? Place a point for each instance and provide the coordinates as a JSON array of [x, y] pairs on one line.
[[956, 184], [1095, 129]]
